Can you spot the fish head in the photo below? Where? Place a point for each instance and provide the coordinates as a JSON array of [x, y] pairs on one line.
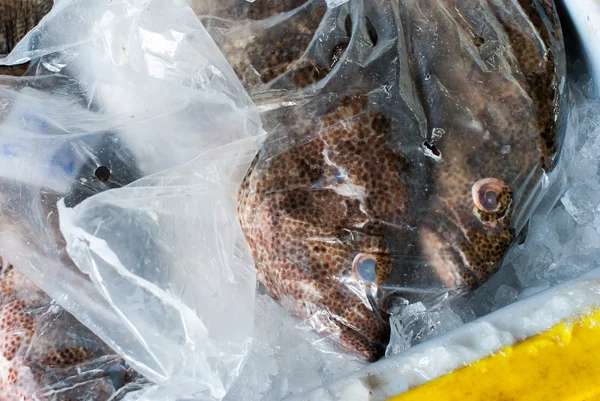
[[314, 216], [495, 132], [470, 224]]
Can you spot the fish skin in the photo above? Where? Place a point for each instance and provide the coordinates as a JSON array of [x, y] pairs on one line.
[[46, 354], [305, 236], [307, 220], [17, 17], [263, 50], [512, 102]]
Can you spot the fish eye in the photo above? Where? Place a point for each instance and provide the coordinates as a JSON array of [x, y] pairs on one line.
[[491, 195], [363, 268]]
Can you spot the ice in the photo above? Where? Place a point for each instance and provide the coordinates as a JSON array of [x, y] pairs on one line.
[[581, 200], [532, 263], [416, 323], [534, 288], [285, 360], [505, 295], [445, 320]]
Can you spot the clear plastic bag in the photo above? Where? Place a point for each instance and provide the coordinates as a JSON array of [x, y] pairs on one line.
[[122, 150], [409, 143], [41, 362]]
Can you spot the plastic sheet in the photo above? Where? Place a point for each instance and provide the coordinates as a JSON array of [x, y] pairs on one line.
[[41, 362], [409, 143], [131, 127]]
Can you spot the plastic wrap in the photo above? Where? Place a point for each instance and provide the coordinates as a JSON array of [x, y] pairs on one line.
[[409, 143], [41, 362], [121, 153]]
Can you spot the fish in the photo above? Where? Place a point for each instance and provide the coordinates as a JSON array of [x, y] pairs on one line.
[[341, 213], [266, 51], [47, 354], [500, 140], [343, 216]]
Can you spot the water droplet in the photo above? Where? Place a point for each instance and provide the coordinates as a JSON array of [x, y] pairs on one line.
[[505, 149]]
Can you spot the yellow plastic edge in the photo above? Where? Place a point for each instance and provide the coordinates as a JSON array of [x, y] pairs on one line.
[[561, 364]]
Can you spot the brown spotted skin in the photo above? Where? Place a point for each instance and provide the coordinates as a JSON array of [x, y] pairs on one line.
[[486, 82], [267, 42], [308, 213], [240, 10], [45, 353], [505, 125]]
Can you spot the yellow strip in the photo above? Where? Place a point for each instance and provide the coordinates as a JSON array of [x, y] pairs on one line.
[[562, 364]]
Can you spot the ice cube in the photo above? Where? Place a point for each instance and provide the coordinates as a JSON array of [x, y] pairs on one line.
[[559, 224], [534, 288], [581, 201], [444, 320], [571, 267], [532, 263], [591, 148], [505, 295], [584, 168], [587, 241], [463, 309], [402, 326], [416, 323], [596, 223]]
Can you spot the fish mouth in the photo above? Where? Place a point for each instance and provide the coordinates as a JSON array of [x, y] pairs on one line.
[[445, 249]]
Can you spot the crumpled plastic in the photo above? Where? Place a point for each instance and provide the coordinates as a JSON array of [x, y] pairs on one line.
[[408, 144], [131, 125]]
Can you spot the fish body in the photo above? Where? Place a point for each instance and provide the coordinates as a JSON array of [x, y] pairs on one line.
[[340, 210], [489, 79], [46, 354]]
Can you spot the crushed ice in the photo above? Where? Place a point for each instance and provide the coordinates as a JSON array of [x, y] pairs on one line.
[[284, 360]]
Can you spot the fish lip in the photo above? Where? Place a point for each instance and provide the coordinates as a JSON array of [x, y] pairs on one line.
[[440, 247]]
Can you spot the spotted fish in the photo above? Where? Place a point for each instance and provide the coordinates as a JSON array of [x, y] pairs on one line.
[[406, 163], [494, 97], [46, 354]]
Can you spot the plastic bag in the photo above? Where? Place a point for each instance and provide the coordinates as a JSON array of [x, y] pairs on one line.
[[40, 362], [409, 143], [134, 130]]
